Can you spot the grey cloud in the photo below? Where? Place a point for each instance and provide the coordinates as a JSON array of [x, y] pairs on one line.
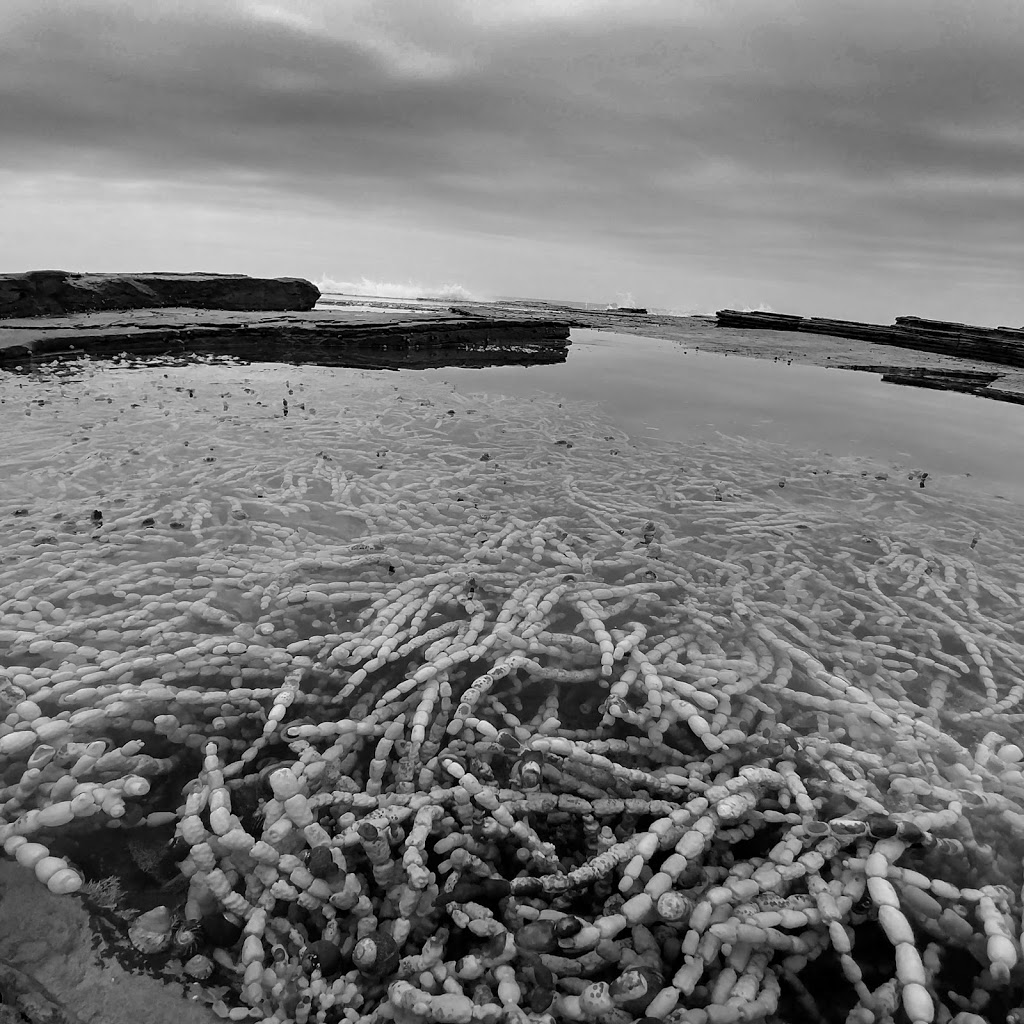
[[856, 123]]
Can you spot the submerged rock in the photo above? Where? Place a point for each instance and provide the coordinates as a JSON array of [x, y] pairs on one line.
[[24, 999]]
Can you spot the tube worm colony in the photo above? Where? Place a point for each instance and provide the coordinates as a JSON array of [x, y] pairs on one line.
[[482, 711]]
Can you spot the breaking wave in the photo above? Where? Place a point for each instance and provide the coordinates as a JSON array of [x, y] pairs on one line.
[[392, 290]]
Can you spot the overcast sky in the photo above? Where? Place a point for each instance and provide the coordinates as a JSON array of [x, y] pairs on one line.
[[828, 157]]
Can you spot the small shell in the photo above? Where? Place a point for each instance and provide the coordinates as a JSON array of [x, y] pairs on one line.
[[321, 862], [10, 695], [151, 932], [509, 742], [324, 956], [634, 990], [530, 770], [567, 927], [377, 955], [536, 937], [184, 939], [41, 756], [199, 967], [64, 881]]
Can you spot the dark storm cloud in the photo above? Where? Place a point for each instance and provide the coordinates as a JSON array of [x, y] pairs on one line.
[[855, 122]]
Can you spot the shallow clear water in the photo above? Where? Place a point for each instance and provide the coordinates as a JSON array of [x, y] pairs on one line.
[[676, 392], [690, 563]]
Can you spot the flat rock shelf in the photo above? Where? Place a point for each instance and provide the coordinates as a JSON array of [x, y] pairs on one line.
[[326, 337]]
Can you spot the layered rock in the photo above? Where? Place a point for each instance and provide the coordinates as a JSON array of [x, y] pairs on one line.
[[316, 336], [1003, 345], [43, 292]]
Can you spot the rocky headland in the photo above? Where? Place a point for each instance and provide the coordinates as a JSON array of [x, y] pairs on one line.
[[48, 292]]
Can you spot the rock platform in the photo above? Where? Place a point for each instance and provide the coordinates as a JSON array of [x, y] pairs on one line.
[[52, 314], [966, 349], [1004, 345], [329, 337]]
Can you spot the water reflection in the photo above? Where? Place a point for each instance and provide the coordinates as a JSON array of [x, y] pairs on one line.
[[678, 393]]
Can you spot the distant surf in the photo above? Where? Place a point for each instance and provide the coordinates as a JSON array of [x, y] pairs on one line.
[[454, 292], [393, 290]]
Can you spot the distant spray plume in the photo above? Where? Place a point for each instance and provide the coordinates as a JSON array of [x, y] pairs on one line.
[[623, 300], [391, 290]]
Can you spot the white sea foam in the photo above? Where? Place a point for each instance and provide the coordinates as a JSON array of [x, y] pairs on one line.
[[391, 290]]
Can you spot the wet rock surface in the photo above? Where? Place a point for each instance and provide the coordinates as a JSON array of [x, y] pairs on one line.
[[1003, 345], [42, 292], [981, 361], [66, 960], [328, 337], [394, 333], [25, 1001]]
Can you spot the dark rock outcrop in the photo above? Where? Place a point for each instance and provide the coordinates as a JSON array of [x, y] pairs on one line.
[[47, 292], [317, 336], [1004, 345]]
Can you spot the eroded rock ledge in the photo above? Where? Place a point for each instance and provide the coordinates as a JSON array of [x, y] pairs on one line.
[[47, 292], [1003, 345], [329, 338]]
